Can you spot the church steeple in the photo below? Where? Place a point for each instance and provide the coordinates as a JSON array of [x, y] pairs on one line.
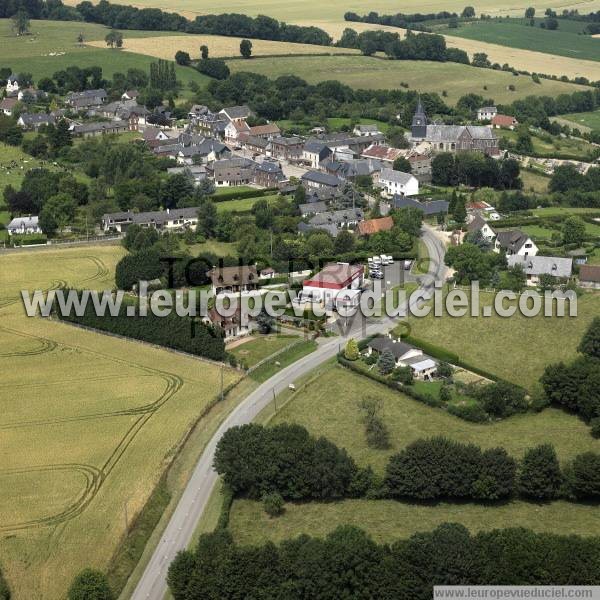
[[419, 122]]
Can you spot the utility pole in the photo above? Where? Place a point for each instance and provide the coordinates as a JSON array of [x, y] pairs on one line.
[[222, 369], [275, 400]]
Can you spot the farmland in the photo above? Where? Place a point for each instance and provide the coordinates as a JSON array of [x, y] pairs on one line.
[[218, 46], [589, 120], [481, 341], [89, 423], [374, 73]]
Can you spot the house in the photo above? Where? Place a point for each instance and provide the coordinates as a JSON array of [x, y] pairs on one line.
[[174, 219], [206, 150], [196, 172], [233, 279], [314, 152], [324, 286], [197, 110], [515, 242], [579, 256], [536, 266], [234, 129], [420, 166], [236, 113], [285, 148], [12, 84], [316, 179], [313, 208], [35, 120], [372, 226], [504, 122], [479, 224], [422, 366], [268, 174], [256, 145], [86, 99], [340, 219], [231, 171], [29, 94], [99, 128], [211, 125], [384, 154], [267, 273], [306, 228], [265, 131], [482, 208], [23, 225], [127, 110], [397, 183], [452, 138], [429, 209], [232, 327], [348, 170], [366, 130], [589, 276], [130, 95], [486, 113], [7, 106]]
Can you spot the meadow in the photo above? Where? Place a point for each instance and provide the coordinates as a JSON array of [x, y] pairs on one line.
[[89, 422], [587, 120], [565, 41], [242, 204], [374, 73], [260, 347]]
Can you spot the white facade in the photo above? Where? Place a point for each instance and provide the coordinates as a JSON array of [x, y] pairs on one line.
[[12, 85], [22, 225], [396, 183], [487, 113]]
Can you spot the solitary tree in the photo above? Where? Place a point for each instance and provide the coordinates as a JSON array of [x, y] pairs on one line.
[[273, 504], [246, 48], [114, 38], [468, 12], [459, 214], [90, 585], [80, 39], [351, 350], [573, 230], [530, 12], [386, 362], [402, 164], [20, 22], [204, 52], [182, 58]]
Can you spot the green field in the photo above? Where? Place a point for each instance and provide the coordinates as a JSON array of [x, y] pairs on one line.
[[517, 348], [334, 124], [261, 347], [551, 146], [514, 33], [387, 520], [89, 422], [587, 119], [374, 73], [533, 182], [242, 205], [554, 211], [31, 53], [220, 191]]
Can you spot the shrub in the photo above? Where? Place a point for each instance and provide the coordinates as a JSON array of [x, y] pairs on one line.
[[444, 369], [469, 412], [140, 266], [590, 344], [213, 67], [90, 585], [502, 399], [377, 434], [584, 476], [595, 427], [273, 504], [445, 393], [351, 350], [539, 476], [403, 375], [386, 362]]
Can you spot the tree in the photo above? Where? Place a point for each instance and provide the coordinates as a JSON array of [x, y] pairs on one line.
[[367, 46], [344, 242], [590, 343], [403, 375], [386, 362], [204, 52], [90, 585], [114, 38], [530, 12], [468, 12], [246, 48], [351, 351], [551, 24], [265, 322], [207, 218], [573, 230], [376, 432], [213, 67], [445, 370], [583, 476], [80, 39], [445, 393], [402, 164], [57, 212], [273, 504], [515, 278], [524, 143], [539, 475], [20, 22], [182, 58], [459, 214]]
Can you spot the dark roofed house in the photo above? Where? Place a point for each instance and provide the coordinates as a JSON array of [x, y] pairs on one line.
[[35, 120], [269, 174], [266, 131], [99, 128], [422, 366], [589, 276], [536, 266], [433, 207], [231, 171], [348, 218], [515, 242], [86, 99], [316, 179], [286, 148], [8, 105], [236, 113], [312, 208], [315, 151], [233, 279]]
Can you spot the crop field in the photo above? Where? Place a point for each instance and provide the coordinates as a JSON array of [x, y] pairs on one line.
[[89, 423], [490, 344], [218, 46], [373, 73], [53, 46], [565, 41]]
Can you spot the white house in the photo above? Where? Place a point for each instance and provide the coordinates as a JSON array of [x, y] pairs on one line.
[[21, 225], [232, 326], [234, 129], [366, 130], [397, 183], [515, 242], [486, 113], [12, 84], [536, 266], [422, 366], [7, 106], [479, 224], [175, 219], [330, 281], [314, 152]]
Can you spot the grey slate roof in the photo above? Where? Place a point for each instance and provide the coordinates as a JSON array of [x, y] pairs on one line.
[[433, 207], [539, 265], [312, 208], [397, 348], [37, 119], [237, 112], [477, 223], [338, 217], [154, 217], [396, 176], [512, 240], [322, 178]]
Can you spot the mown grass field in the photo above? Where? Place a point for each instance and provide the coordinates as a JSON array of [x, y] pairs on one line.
[[53, 46], [218, 46], [373, 73], [565, 41], [387, 520], [261, 347], [533, 182], [517, 348], [243, 204], [89, 424], [589, 120]]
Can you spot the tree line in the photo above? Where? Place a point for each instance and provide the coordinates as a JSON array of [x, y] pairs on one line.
[[348, 563]]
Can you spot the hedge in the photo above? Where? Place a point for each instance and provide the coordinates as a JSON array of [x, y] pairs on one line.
[[240, 195], [227, 502]]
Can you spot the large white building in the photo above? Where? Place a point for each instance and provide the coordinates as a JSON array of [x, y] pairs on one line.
[[397, 183], [333, 279]]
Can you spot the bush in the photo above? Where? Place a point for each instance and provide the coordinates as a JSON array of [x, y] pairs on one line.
[[540, 477], [595, 427], [351, 350], [445, 393], [469, 412], [403, 375], [502, 399], [584, 476], [213, 67], [386, 362], [140, 266], [590, 344], [273, 504], [90, 585]]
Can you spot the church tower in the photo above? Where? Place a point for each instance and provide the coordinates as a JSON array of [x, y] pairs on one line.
[[419, 122]]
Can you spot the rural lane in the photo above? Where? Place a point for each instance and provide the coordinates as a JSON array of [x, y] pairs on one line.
[[178, 533]]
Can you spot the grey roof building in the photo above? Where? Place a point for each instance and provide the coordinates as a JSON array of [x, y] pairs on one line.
[[512, 241], [543, 265], [319, 180], [433, 207]]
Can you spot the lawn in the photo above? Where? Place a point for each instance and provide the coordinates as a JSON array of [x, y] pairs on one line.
[[231, 189], [517, 348], [554, 211], [242, 205], [90, 423], [590, 120], [261, 347], [328, 405], [32, 54], [215, 247], [533, 182], [271, 367], [551, 146], [565, 41], [11, 174], [374, 73], [387, 520]]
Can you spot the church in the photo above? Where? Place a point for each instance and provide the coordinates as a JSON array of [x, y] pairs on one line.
[[452, 138]]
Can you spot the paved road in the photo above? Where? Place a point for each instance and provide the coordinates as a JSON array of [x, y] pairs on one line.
[[180, 528]]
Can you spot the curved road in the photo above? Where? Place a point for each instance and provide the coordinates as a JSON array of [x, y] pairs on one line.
[[180, 528]]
